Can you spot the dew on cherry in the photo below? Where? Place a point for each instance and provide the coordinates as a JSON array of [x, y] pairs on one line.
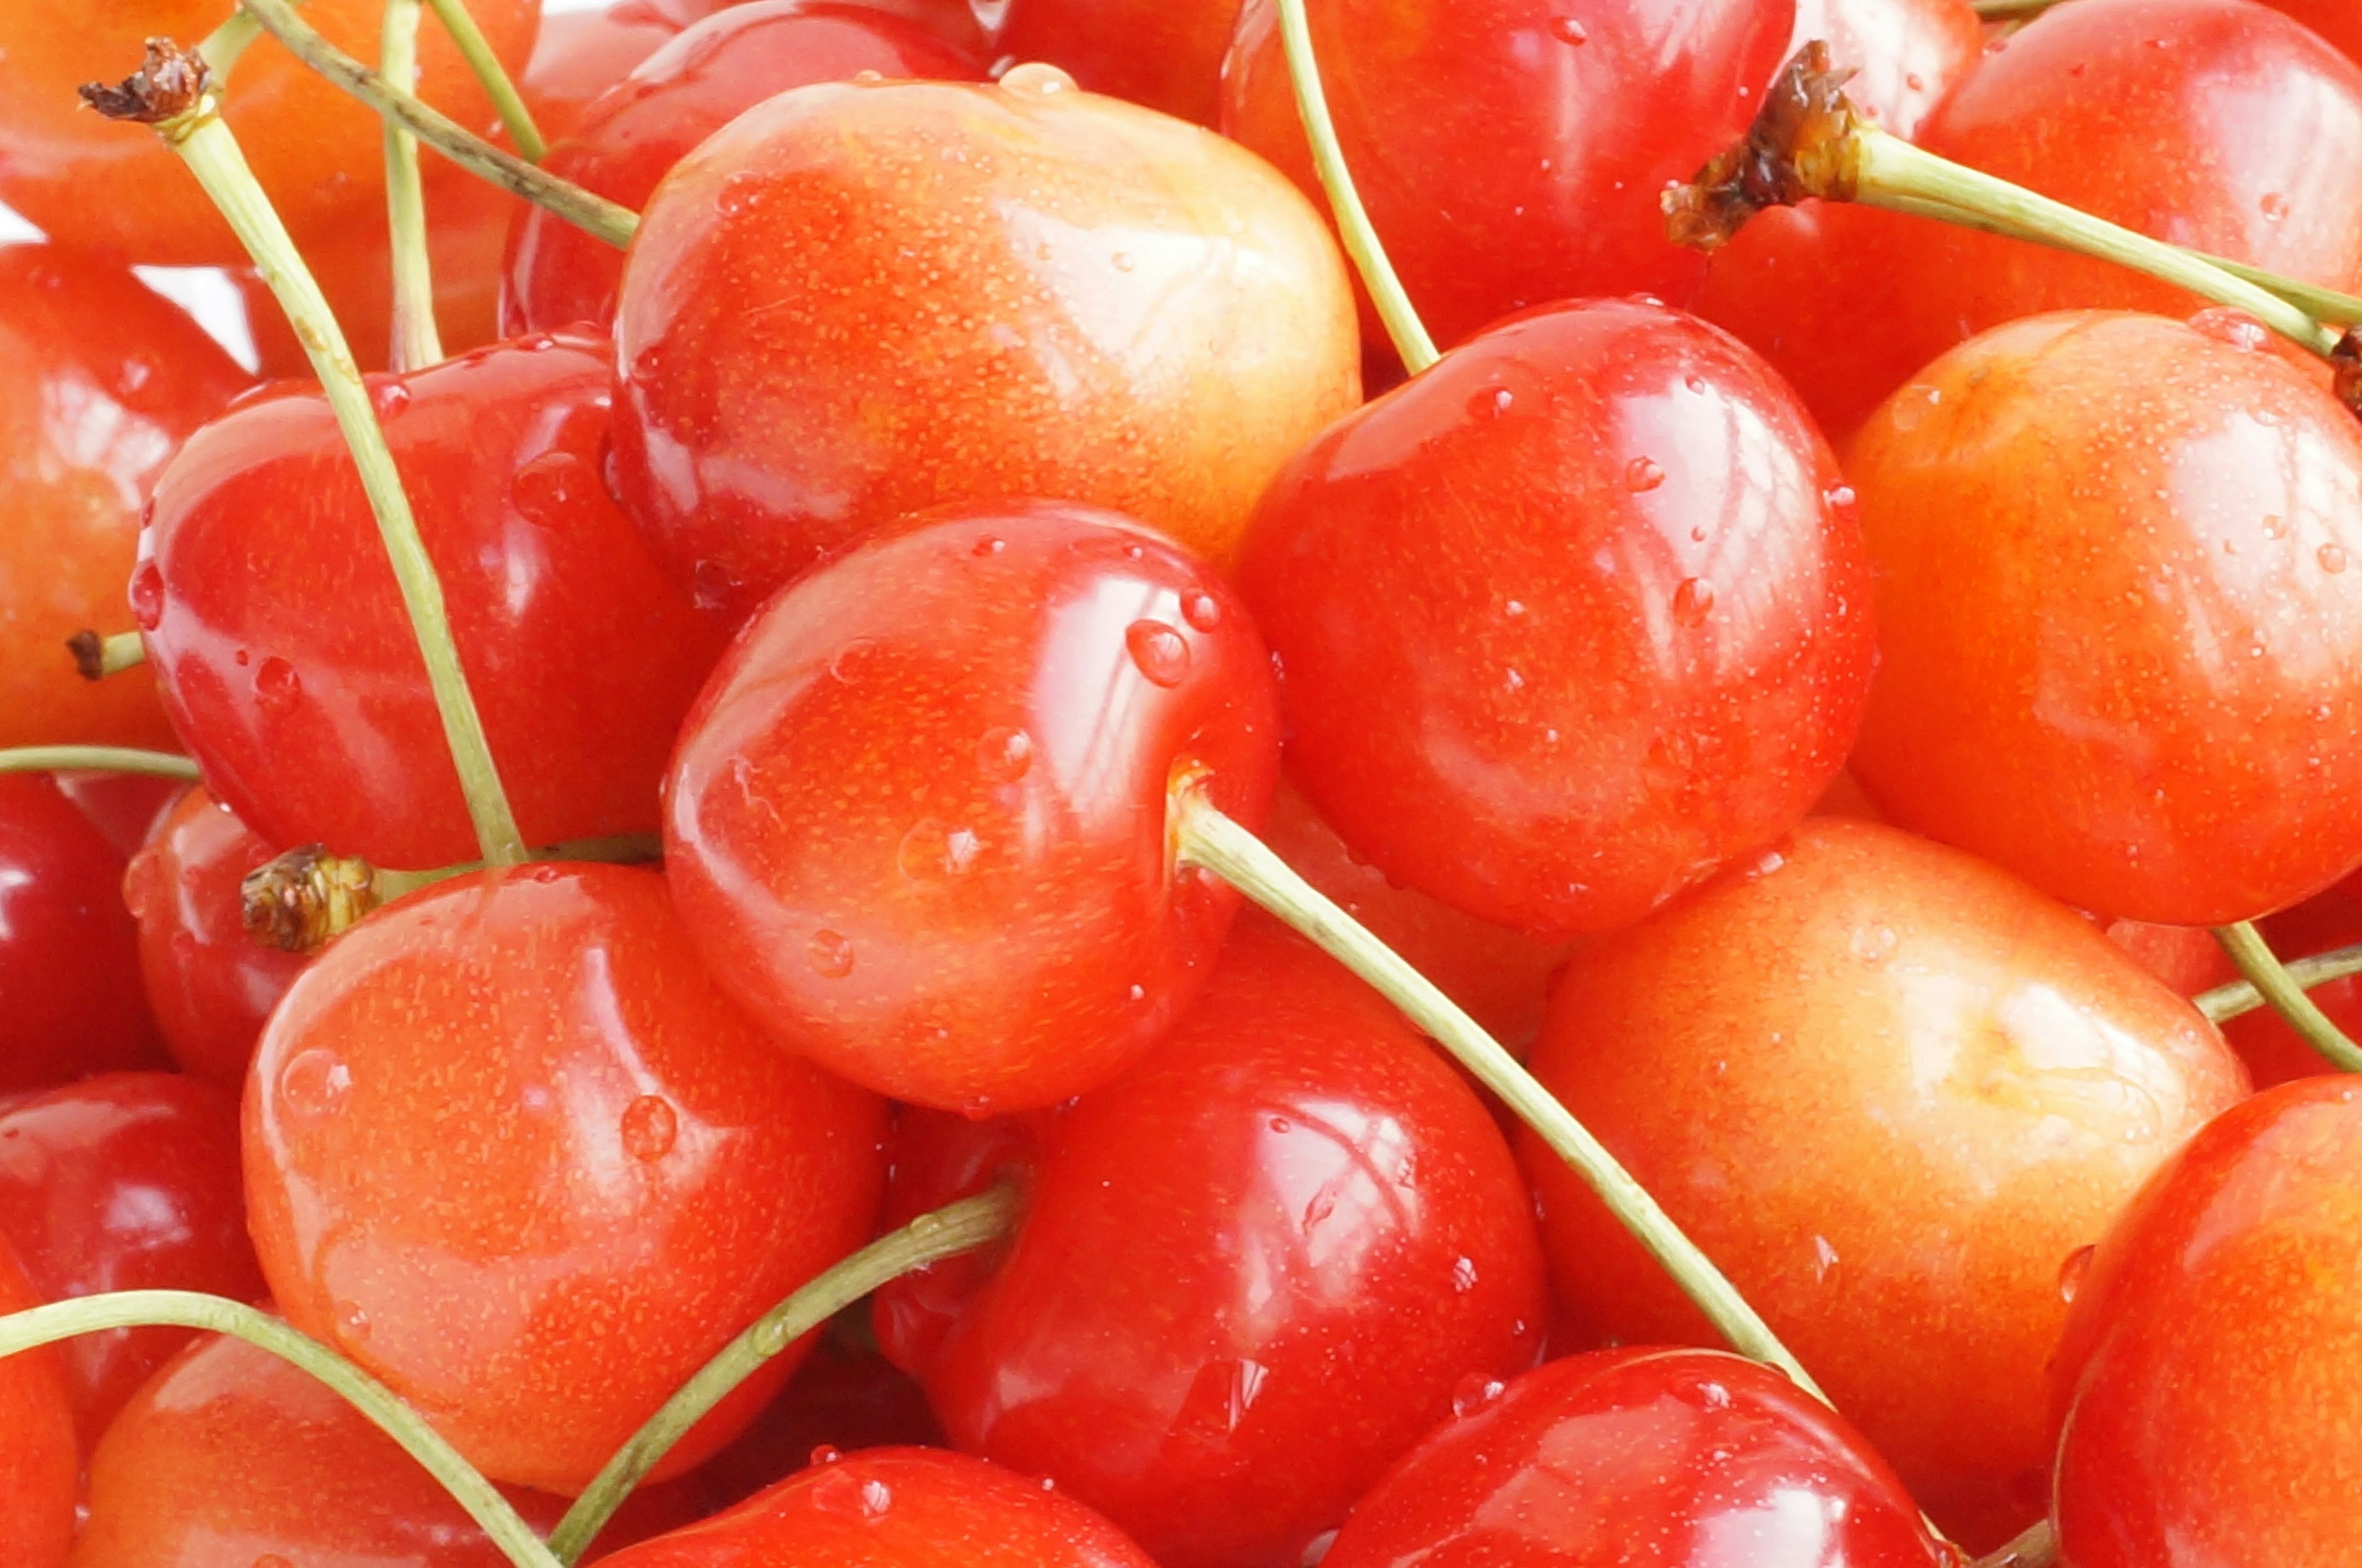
[[315, 1083], [1567, 30], [831, 955], [650, 1128], [1693, 601], [848, 1496], [1642, 475], [148, 595], [2332, 558], [1159, 652], [1824, 1258], [1036, 79], [1203, 611], [1474, 1392], [1873, 944], [1005, 754], [1464, 1276], [1491, 402], [277, 687], [849, 661], [547, 484], [352, 1321], [932, 849], [2072, 1273]]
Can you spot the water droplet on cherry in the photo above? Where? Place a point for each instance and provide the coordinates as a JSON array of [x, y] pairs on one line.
[[1567, 30], [389, 397], [650, 1128], [1474, 1392], [1005, 756], [2072, 1272], [739, 193], [315, 1083], [1693, 601], [931, 850], [1160, 653], [1824, 1257], [1037, 78], [546, 485], [148, 595], [1464, 1276], [1874, 944], [1491, 402], [826, 1453], [2332, 558], [831, 955], [352, 1321], [1203, 611], [277, 686], [848, 1496], [1642, 475], [852, 659]]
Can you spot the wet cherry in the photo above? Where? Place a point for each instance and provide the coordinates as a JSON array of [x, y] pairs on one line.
[[1165, 55], [39, 1469], [2333, 19]]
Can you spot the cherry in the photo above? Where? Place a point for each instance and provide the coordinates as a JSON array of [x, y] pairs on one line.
[[630, 138], [845, 1396], [897, 1508], [2187, 959], [124, 807], [856, 301], [1592, 104], [2209, 1364], [1165, 55], [88, 181], [1641, 1458], [127, 1181], [1252, 1271], [581, 54], [39, 1469], [2120, 652], [2276, 1053], [105, 379], [917, 821], [2333, 19], [1891, 1090], [69, 953], [301, 692], [509, 1150], [1567, 621]]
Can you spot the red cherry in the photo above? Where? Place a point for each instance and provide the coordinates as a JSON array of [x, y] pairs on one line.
[[579, 55], [1891, 1090], [124, 807], [631, 137], [125, 1182], [2119, 653], [916, 822], [845, 1396], [105, 380], [2275, 1052], [1904, 55], [1567, 621], [2211, 1358], [2187, 959], [857, 301], [1251, 1272], [1639, 1459], [509, 1150], [1587, 108], [1165, 54], [211, 984], [69, 953], [39, 1469], [302, 690], [2333, 19]]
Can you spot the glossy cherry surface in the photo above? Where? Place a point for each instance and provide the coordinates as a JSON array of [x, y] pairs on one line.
[[129, 1181], [1891, 1092], [1568, 620], [124, 807], [916, 822], [210, 983], [1644, 1458], [2211, 1358], [1589, 107], [39, 1469], [2333, 19], [301, 692], [2120, 652], [1251, 1272], [105, 380], [1164, 54], [845, 1396], [701, 79], [857, 301], [509, 1149]]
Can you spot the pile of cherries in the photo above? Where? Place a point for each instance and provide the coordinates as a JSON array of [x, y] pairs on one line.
[[1809, 701]]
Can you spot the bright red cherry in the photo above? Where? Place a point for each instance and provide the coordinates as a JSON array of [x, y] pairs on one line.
[[1639, 1459], [509, 1149], [124, 807], [1891, 1090], [105, 380], [39, 1468], [630, 138], [1165, 54], [2212, 1359], [1567, 621], [581, 54], [845, 1396], [1251, 1272], [916, 822], [1586, 108], [2335, 20], [2120, 652], [301, 690], [857, 301], [127, 1181]]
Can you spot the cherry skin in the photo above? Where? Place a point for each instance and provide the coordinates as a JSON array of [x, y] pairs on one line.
[[2120, 654], [319, 153], [69, 953], [2210, 1359], [2333, 19], [845, 1396], [1250, 1273], [1643, 1458], [705, 77], [301, 692], [210, 983], [1568, 620], [1891, 1090], [509, 1150], [1164, 55], [39, 1468], [857, 301], [129, 1181], [916, 822], [1603, 101], [106, 380], [124, 807]]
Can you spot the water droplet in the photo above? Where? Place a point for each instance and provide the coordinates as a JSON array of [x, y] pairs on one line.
[[1280, 1124], [1203, 611], [1840, 498], [1715, 1396], [826, 1453], [2072, 1272], [850, 1497], [1037, 78], [315, 1083], [1474, 1392], [771, 1336], [352, 1322], [1160, 653], [2235, 327], [853, 658], [831, 955], [988, 545], [1123, 261], [1464, 1276], [1642, 475], [2332, 558], [546, 875], [649, 1128], [1824, 1257], [932, 849], [131, 375], [738, 192], [978, 1109], [539, 343], [1491, 402], [1316, 1550], [277, 686], [1567, 30], [1874, 944], [1005, 756], [2274, 205], [389, 397], [2275, 526], [544, 486], [711, 584], [1909, 408], [867, 78], [1693, 601], [148, 595]]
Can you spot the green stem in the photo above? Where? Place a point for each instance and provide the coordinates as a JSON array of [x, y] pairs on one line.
[[417, 343], [2272, 980], [477, 50], [226, 44], [2011, 10], [594, 215], [1210, 839], [956, 1228], [95, 759], [2225, 1003], [180, 1308], [1410, 334], [96, 657], [2035, 1547], [2321, 304]]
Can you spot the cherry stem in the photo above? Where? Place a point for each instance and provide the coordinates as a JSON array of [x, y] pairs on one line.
[[96, 657], [946, 1233], [300, 901], [592, 213], [477, 50], [173, 95], [225, 44], [2272, 980], [1206, 838], [2011, 10], [2035, 1547], [2239, 997], [1361, 237], [417, 343], [186, 1309], [95, 759]]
